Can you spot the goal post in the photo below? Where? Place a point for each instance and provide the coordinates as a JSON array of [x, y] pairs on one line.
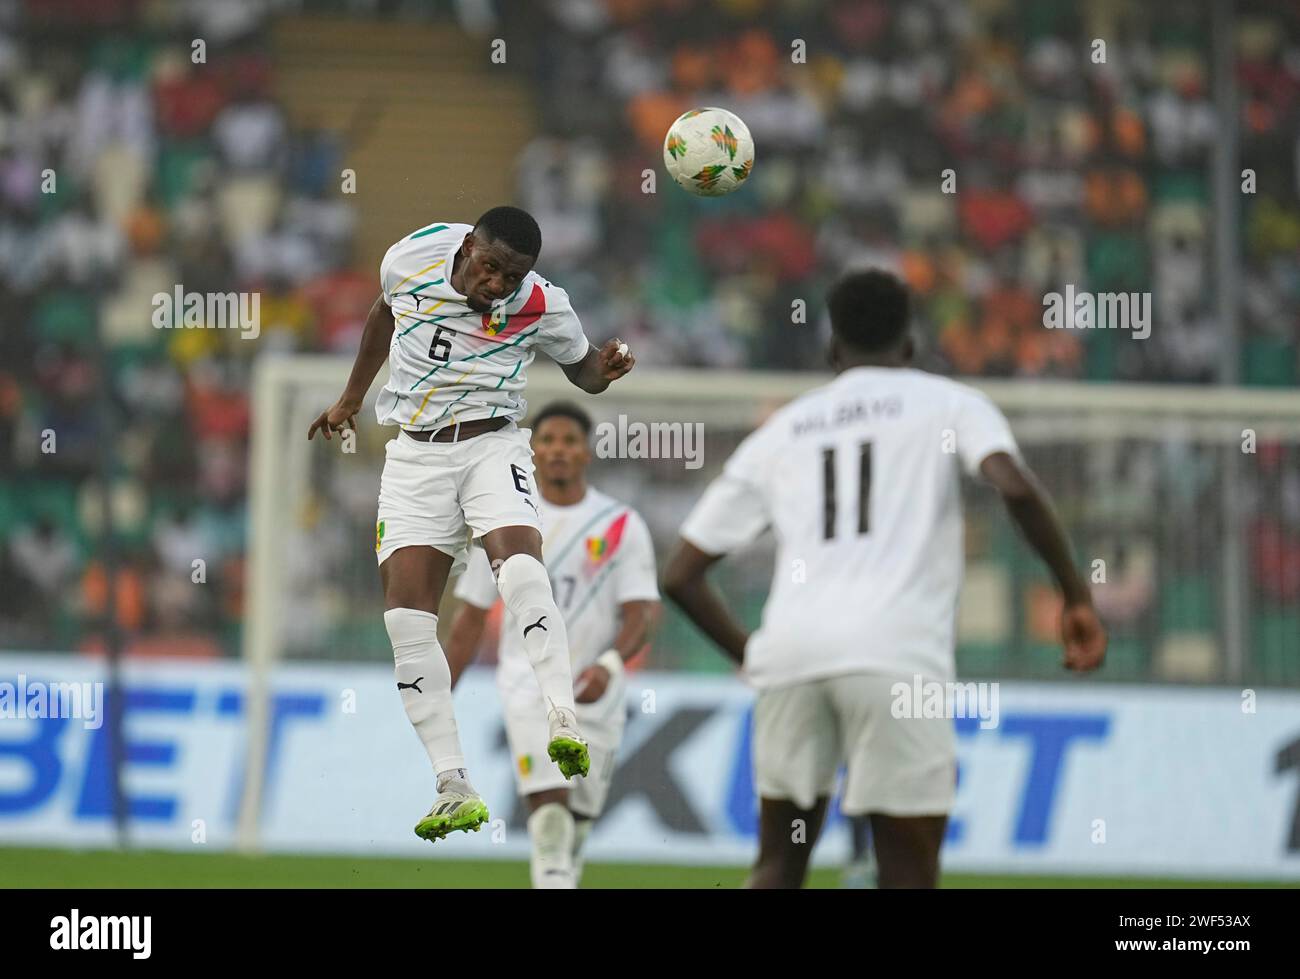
[[1186, 498]]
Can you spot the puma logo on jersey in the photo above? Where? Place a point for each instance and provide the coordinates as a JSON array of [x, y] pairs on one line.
[[414, 685], [536, 625]]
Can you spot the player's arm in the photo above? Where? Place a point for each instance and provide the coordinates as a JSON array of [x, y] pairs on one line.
[[594, 372], [1030, 507], [637, 621], [732, 513], [686, 583], [375, 340], [466, 633]]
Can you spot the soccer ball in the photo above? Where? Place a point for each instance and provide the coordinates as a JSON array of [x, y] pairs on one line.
[[709, 151]]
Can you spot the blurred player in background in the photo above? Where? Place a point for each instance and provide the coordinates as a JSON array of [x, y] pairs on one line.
[[859, 481], [459, 320], [602, 565]]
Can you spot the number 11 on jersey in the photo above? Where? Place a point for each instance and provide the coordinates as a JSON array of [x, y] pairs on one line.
[[829, 506]]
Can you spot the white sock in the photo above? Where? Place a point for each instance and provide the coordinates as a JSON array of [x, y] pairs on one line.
[[581, 830], [526, 590], [455, 778], [551, 829], [424, 683]]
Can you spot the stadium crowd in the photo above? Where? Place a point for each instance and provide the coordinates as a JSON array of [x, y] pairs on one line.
[[126, 168]]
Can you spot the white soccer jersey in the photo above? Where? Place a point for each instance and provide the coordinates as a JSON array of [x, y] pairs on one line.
[[448, 363], [599, 555], [859, 482]]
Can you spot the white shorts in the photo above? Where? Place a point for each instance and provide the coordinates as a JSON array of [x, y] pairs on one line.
[[449, 494], [804, 732], [601, 723]]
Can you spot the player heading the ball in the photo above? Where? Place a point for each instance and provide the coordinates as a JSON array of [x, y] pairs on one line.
[[459, 319]]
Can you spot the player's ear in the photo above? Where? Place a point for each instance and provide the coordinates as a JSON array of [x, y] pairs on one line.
[[467, 246], [909, 348], [833, 353]]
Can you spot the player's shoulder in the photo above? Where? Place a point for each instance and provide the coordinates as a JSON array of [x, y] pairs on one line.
[[554, 295], [958, 393], [429, 238]]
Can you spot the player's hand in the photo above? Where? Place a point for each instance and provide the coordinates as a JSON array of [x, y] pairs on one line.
[[342, 415], [1083, 636], [615, 359], [591, 684]]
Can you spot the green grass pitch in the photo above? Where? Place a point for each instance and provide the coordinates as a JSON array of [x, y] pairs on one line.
[[146, 868]]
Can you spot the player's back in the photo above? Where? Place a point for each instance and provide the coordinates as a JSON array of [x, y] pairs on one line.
[[859, 480]]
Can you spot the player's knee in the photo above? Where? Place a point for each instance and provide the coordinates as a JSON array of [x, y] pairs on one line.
[[522, 580], [408, 627], [414, 637]]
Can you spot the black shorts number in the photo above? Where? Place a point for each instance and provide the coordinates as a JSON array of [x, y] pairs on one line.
[[521, 479]]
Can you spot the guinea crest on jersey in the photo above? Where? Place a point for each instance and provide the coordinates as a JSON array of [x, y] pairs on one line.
[[449, 363]]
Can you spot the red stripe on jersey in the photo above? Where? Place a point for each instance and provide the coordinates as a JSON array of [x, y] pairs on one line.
[[528, 315]]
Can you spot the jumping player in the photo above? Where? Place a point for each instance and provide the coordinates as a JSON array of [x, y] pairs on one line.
[[460, 317]]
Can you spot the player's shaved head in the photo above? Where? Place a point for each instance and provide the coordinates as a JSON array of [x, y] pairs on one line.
[[513, 227], [496, 256], [869, 313]]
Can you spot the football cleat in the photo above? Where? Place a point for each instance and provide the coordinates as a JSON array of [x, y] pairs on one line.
[[453, 810], [567, 748]]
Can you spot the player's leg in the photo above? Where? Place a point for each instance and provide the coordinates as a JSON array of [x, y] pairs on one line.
[[498, 496], [860, 872], [901, 771], [420, 528], [602, 723], [551, 832], [907, 849], [544, 790], [560, 812], [796, 754], [516, 554], [786, 834], [413, 580]]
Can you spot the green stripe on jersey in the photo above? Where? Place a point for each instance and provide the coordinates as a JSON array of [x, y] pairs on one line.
[[418, 323], [416, 290], [486, 353], [428, 231]]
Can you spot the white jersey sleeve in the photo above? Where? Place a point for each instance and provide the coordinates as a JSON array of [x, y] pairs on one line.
[[477, 586], [561, 337], [734, 511], [637, 580], [981, 429]]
